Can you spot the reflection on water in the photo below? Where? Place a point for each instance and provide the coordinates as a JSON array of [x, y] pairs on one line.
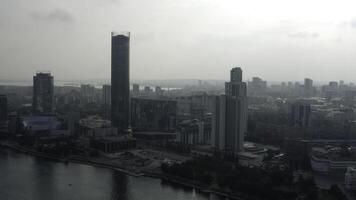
[[119, 186], [30, 178]]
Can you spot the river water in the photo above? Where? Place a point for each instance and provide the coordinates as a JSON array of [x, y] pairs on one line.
[[24, 177]]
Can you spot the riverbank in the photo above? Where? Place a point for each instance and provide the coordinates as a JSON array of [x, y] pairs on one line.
[[77, 159], [91, 162]]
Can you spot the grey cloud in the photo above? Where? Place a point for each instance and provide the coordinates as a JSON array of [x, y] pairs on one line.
[[303, 34], [54, 15]]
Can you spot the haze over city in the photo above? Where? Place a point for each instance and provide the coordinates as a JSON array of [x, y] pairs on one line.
[[200, 39], [177, 100]]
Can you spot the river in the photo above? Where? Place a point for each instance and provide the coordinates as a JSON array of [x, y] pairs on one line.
[[24, 177]]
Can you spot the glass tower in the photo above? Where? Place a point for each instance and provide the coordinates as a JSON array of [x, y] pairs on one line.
[[120, 81]]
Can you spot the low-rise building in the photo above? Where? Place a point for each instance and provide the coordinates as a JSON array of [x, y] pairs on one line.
[[113, 143]]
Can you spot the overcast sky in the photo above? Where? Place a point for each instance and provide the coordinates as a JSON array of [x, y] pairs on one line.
[[174, 39]]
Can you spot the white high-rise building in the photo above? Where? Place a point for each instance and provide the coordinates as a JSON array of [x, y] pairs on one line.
[[230, 115]]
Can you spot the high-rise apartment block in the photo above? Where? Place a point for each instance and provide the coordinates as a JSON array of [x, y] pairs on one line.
[[42, 93], [308, 87], [87, 93]]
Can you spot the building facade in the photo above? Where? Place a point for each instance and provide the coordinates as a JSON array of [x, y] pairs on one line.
[[257, 87], [120, 81], [308, 87], [87, 94], [153, 115], [42, 93], [195, 133], [300, 114], [230, 115], [106, 95]]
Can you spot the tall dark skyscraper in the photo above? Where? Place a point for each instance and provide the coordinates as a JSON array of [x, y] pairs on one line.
[[3, 108], [308, 87], [230, 115], [42, 93], [120, 81]]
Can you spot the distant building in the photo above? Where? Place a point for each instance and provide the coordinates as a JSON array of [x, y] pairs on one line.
[[158, 91], [120, 81], [300, 114], [135, 90], [195, 106], [230, 116], [3, 108], [106, 94], [42, 93], [153, 115], [257, 87], [308, 87], [147, 90], [350, 178], [87, 93], [330, 91]]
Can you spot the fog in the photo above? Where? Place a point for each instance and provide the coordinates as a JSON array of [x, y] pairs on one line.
[[182, 39]]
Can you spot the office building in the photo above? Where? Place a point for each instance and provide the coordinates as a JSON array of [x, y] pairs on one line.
[[308, 87], [257, 87], [87, 94], [230, 115], [196, 106], [120, 81], [42, 93], [331, 91], [153, 115], [300, 114]]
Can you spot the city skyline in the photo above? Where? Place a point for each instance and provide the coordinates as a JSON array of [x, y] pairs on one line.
[[211, 37], [188, 99]]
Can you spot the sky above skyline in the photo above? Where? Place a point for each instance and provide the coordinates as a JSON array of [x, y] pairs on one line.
[[180, 39]]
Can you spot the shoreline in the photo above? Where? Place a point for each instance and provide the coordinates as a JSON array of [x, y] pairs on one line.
[[84, 161]]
